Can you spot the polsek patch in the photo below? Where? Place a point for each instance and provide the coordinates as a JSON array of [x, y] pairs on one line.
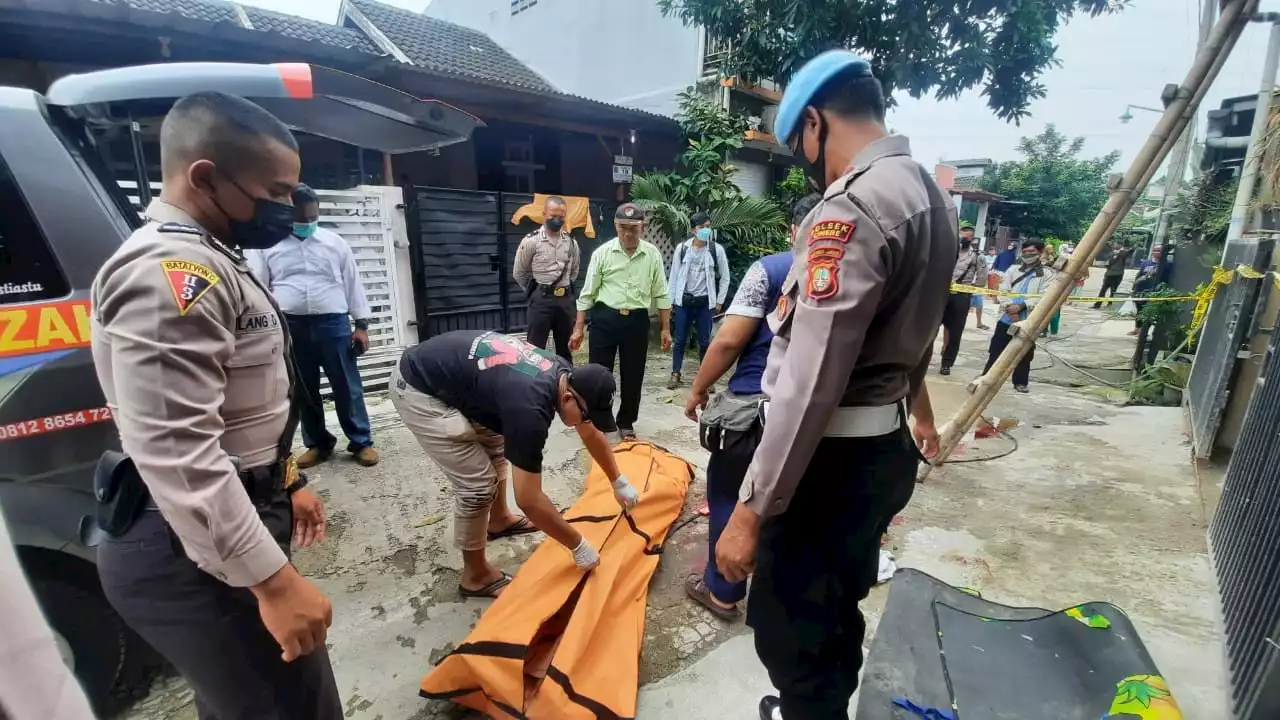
[[822, 278], [189, 282], [834, 230]]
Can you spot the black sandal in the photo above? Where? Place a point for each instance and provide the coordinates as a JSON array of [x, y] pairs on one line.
[[488, 591], [696, 588], [520, 527]]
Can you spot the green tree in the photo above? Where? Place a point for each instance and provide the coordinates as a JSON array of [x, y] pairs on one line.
[[1054, 191], [941, 46], [748, 227]]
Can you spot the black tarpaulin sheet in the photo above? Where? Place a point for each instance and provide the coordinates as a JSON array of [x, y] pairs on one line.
[[946, 648]]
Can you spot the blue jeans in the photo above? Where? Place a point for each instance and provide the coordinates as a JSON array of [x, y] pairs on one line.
[[700, 318], [324, 341], [725, 472]]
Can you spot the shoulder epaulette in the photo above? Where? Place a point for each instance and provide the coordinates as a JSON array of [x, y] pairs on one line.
[[173, 227]]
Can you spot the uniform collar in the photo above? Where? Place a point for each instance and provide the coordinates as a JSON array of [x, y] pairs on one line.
[[163, 212], [887, 146], [542, 232]]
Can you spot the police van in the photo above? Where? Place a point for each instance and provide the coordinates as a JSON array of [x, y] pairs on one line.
[[62, 213]]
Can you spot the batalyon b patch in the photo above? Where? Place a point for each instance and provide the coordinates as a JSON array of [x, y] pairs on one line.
[[189, 282], [822, 277], [835, 230]]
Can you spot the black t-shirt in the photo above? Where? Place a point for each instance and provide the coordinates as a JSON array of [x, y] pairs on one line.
[[501, 382]]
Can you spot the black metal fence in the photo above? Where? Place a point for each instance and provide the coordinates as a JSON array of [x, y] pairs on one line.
[[1245, 541], [463, 246], [1227, 329]]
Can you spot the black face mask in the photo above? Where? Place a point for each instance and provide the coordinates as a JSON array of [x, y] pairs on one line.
[[964, 244], [271, 222], [815, 172], [555, 223]]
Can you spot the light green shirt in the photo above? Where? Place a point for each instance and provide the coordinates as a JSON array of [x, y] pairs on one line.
[[625, 282]]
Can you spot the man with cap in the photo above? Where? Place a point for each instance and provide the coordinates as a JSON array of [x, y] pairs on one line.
[[192, 355], [853, 333], [624, 279], [475, 400]]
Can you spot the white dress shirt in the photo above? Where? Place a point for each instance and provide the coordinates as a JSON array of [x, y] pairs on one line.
[[315, 276]]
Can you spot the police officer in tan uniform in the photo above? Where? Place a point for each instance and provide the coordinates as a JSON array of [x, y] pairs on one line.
[[853, 333], [546, 266], [193, 358]]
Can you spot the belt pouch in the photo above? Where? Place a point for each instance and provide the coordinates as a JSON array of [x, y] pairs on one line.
[[120, 492]]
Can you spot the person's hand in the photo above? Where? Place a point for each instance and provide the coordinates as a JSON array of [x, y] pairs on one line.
[[1013, 308], [666, 339], [625, 493], [294, 611], [695, 402], [585, 556], [360, 341], [926, 436], [718, 307], [575, 339], [736, 549], [308, 518]]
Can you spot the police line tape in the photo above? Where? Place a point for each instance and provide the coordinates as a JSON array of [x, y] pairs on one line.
[[1203, 297]]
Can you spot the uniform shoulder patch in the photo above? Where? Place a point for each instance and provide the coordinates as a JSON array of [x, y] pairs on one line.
[[831, 230], [189, 282], [822, 279]]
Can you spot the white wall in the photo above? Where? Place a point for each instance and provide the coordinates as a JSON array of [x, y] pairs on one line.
[[617, 51]]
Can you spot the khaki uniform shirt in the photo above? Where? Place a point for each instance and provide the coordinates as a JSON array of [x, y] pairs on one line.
[[191, 355], [858, 313], [547, 260]]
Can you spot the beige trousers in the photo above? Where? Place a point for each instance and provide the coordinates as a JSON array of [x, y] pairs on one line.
[[469, 454]]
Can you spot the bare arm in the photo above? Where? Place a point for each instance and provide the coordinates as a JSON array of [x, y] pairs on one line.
[[538, 508], [597, 446]]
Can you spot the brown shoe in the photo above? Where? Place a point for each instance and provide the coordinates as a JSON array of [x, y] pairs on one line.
[[313, 457], [366, 456], [674, 382]]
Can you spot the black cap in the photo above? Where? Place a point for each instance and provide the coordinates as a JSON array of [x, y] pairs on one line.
[[594, 384], [629, 212]]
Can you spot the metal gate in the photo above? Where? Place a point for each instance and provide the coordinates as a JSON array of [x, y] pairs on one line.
[[1245, 541], [463, 247], [1227, 329]]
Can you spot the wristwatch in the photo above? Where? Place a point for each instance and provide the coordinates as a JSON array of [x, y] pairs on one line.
[[362, 324]]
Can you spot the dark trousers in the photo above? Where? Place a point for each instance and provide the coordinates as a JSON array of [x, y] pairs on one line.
[[954, 317], [324, 342], [550, 315], [725, 471], [696, 316], [999, 341], [210, 631], [817, 561], [614, 335], [1111, 283]]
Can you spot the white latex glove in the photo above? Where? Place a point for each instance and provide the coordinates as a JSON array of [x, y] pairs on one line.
[[585, 556], [625, 493]]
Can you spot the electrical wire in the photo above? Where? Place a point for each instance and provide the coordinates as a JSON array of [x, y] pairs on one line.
[[997, 456]]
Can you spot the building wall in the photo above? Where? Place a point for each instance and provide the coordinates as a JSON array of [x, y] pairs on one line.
[[453, 167], [617, 51]]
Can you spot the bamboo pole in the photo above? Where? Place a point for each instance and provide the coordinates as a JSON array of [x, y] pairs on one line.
[[1235, 16]]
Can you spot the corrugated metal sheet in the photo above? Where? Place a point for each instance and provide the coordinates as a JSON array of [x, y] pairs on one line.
[[462, 256], [1245, 540]]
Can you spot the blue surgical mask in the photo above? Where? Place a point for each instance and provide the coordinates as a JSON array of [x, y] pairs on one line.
[[305, 230], [704, 234]]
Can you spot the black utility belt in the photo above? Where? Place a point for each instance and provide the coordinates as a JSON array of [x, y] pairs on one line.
[[551, 291], [122, 496], [694, 302]]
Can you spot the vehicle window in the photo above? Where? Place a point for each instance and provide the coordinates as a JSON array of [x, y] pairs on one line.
[[28, 269]]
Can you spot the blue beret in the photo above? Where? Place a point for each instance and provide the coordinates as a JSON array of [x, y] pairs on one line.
[[806, 83]]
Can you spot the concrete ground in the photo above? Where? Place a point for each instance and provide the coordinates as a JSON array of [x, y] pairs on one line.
[[1095, 502]]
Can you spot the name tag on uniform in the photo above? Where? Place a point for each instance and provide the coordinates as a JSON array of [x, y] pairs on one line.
[[559, 292], [257, 322]]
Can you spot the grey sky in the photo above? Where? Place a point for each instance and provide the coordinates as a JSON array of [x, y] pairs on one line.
[[1107, 62]]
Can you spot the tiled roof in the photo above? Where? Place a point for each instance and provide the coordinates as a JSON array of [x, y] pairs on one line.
[[221, 11], [310, 30], [448, 48]]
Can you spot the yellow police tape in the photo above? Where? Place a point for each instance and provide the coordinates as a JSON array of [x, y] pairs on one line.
[[1205, 296]]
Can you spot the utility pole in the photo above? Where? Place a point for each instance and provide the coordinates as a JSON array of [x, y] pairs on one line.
[[1180, 108], [1240, 214], [1174, 177]]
